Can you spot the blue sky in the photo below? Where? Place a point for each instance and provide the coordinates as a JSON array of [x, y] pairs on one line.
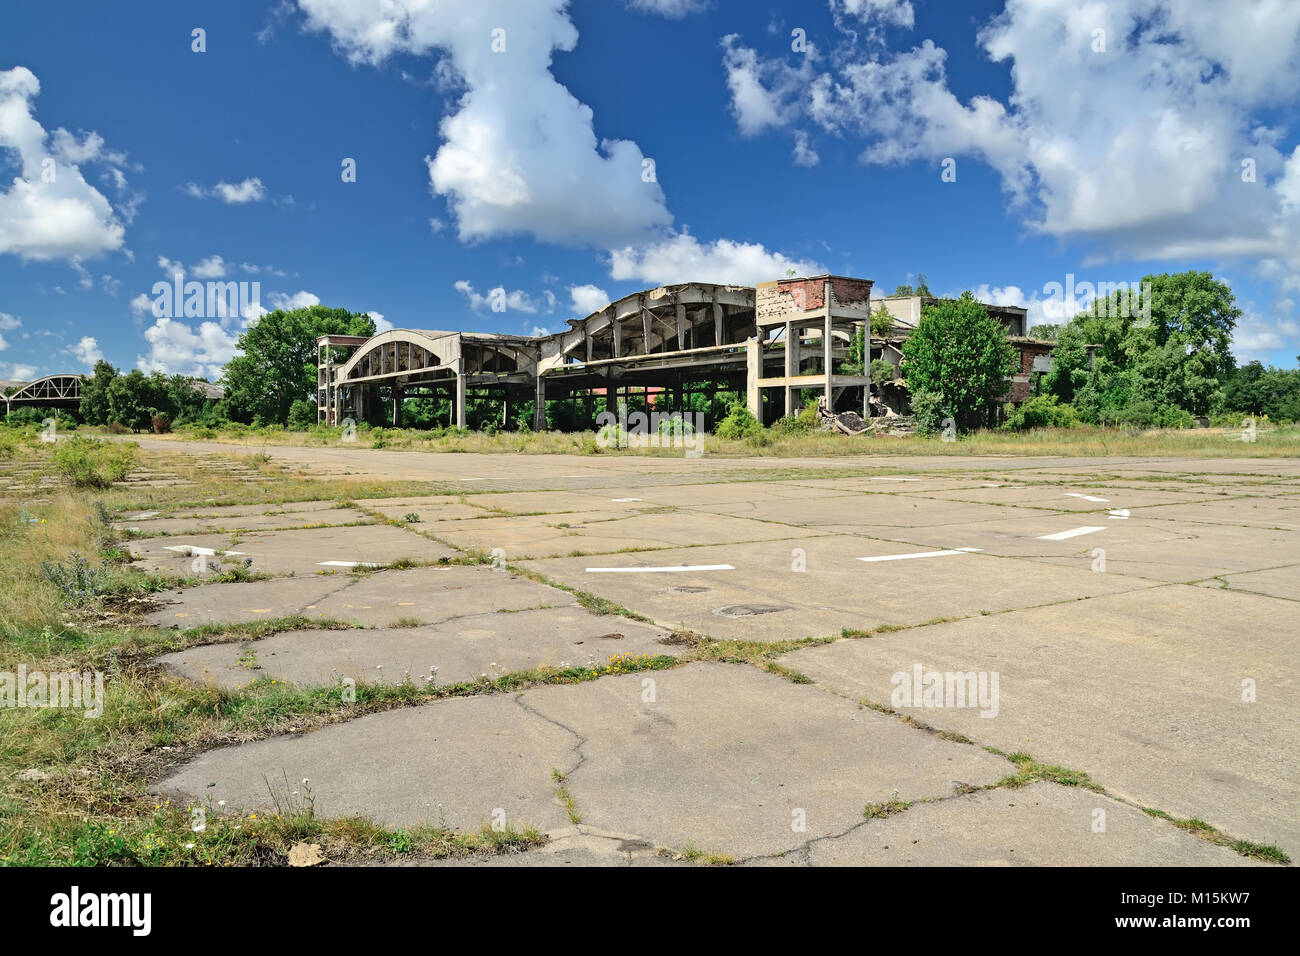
[[1105, 143]]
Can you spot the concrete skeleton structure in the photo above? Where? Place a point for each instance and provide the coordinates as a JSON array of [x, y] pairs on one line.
[[788, 335], [52, 391]]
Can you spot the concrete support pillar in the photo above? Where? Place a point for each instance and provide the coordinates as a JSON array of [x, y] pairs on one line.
[[681, 326], [460, 401], [618, 336], [717, 323], [791, 364], [397, 406], [828, 363], [539, 407], [753, 372], [587, 335], [866, 368], [647, 328]]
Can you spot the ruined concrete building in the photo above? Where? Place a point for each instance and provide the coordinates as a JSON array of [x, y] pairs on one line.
[[768, 343]]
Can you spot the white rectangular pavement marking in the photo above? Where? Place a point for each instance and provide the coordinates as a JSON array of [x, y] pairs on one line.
[[683, 567], [1072, 533], [920, 554]]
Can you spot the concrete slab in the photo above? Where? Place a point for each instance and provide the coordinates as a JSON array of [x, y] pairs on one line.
[[1143, 691], [597, 501], [724, 755], [1070, 497], [720, 759], [1283, 582], [863, 513], [1043, 824], [217, 524], [575, 846], [429, 511], [461, 649], [291, 552], [764, 599], [378, 599], [1197, 551], [233, 511], [552, 535], [1254, 512], [452, 763]]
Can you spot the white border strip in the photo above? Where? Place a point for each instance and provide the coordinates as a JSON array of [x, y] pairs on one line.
[[1072, 533], [921, 554], [680, 567]]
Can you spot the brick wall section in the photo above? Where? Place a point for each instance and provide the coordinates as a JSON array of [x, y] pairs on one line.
[[1022, 381], [774, 299]]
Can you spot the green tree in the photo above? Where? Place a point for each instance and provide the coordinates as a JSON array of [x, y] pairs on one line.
[[1169, 348], [922, 287], [135, 398], [94, 393], [278, 362], [960, 353]]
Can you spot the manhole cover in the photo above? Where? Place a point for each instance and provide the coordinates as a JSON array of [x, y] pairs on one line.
[[748, 610]]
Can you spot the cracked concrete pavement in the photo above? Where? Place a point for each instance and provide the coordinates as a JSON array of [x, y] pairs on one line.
[[1139, 615]]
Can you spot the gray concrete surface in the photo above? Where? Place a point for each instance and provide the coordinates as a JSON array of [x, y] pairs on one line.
[[461, 649], [370, 599], [1120, 652], [1143, 691]]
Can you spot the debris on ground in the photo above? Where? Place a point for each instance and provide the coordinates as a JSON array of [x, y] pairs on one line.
[[305, 854], [884, 421]]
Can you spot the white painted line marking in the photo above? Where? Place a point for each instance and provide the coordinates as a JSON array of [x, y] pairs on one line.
[[1119, 513], [1073, 494], [683, 567], [346, 564], [190, 549], [895, 479], [920, 554], [624, 499], [1072, 533]]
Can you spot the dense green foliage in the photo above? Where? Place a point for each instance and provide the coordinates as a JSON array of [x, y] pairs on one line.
[[1153, 354], [277, 362], [138, 401], [960, 353], [1042, 411]]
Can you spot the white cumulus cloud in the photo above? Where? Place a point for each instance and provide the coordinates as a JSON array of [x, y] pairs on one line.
[[49, 211], [520, 154]]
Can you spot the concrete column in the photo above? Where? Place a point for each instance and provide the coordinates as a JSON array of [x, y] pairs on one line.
[[828, 363], [866, 367], [791, 364], [397, 406], [681, 326], [754, 371], [539, 408], [618, 336], [587, 335], [646, 328], [460, 400], [717, 323]]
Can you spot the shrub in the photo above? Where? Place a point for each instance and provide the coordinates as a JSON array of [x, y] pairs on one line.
[[76, 579], [302, 414], [1041, 411], [805, 421], [929, 412], [88, 463], [161, 424], [883, 370], [739, 424]]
